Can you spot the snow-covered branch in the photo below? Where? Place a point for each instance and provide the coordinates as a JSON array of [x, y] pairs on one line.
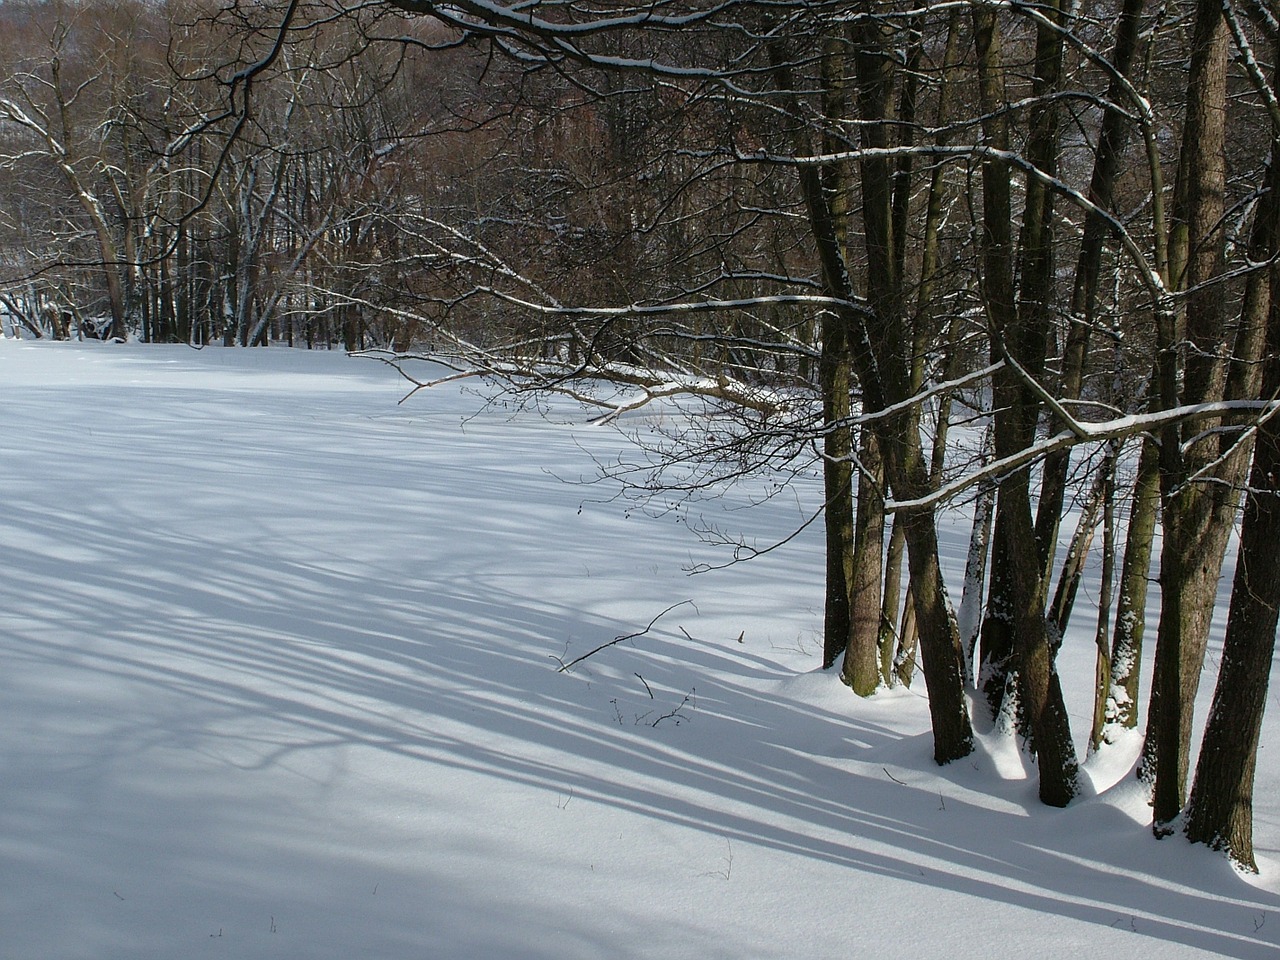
[[1119, 428]]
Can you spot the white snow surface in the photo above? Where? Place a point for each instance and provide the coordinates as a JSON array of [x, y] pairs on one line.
[[278, 679]]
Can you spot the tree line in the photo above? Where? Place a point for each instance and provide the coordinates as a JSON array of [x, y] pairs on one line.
[[835, 229]]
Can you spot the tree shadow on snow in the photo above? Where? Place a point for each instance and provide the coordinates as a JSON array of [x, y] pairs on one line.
[[159, 673]]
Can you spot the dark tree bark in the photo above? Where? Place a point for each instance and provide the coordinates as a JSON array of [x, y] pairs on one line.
[[1102, 672], [1073, 565], [835, 380], [996, 287], [837, 476]]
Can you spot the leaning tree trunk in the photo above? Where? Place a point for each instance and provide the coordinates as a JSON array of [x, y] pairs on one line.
[[891, 603], [1112, 137], [1102, 673], [975, 569], [1081, 542], [886, 375], [1221, 808]]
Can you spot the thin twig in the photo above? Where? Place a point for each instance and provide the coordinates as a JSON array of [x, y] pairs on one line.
[[676, 714], [630, 636]]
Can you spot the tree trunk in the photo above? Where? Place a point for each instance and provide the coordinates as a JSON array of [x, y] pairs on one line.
[[996, 289], [837, 475], [1112, 137], [1221, 809], [996, 670], [884, 374], [1102, 673], [861, 670], [835, 382], [908, 637], [975, 568], [1131, 606], [1021, 334], [1081, 542], [891, 603], [1197, 516]]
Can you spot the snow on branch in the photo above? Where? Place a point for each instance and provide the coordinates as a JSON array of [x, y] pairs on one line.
[[1118, 429]]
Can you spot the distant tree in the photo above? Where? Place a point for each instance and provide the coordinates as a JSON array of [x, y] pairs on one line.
[[47, 102]]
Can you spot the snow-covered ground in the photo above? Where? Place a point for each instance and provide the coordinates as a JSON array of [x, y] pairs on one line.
[[278, 679]]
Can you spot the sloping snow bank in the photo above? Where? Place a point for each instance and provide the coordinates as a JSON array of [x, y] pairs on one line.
[[277, 679]]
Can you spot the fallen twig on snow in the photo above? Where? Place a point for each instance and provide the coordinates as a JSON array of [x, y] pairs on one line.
[[564, 667]]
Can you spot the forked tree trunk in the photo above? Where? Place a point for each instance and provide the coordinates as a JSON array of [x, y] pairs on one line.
[[1221, 808], [1198, 477], [1020, 333]]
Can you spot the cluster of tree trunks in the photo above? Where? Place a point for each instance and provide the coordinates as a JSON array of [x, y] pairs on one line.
[[842, 225]]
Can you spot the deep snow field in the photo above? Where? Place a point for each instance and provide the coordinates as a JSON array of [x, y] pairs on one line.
[[278, 679]]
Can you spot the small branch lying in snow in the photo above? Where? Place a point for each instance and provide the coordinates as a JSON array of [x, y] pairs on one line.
[[727, 872], [892, 777], [563, 654], [564, 667], [676, 714]]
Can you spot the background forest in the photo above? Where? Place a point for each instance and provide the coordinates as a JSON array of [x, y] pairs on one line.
[[836, 231]]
